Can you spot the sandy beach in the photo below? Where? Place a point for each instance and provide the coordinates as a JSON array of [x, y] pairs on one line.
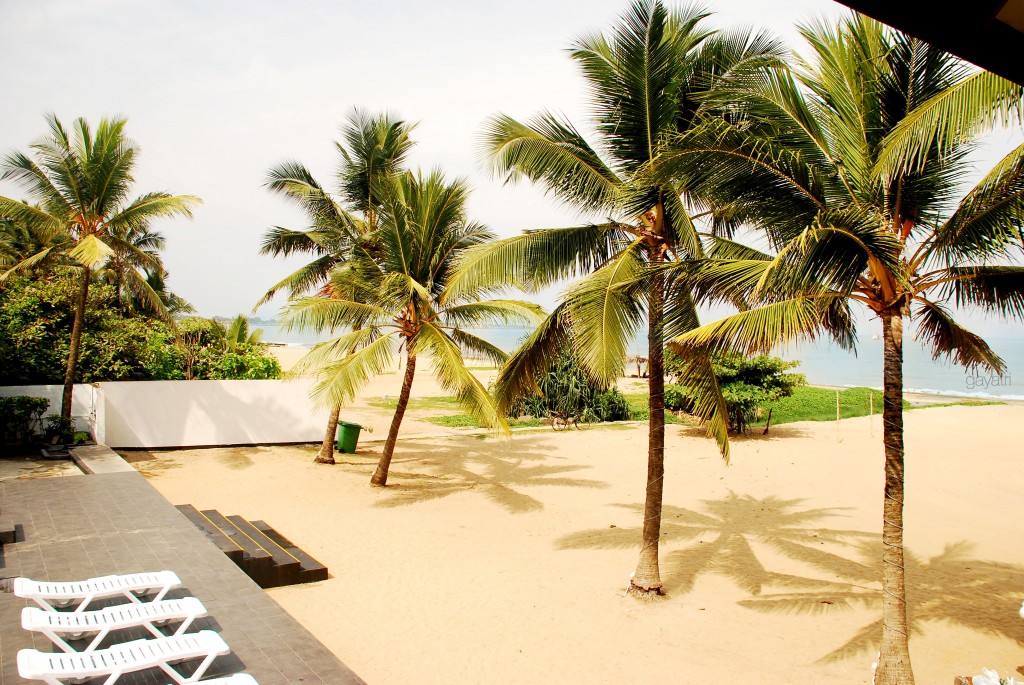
[[490, 560]]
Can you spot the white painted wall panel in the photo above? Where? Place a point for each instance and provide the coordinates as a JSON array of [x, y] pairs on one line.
[[150, 414]]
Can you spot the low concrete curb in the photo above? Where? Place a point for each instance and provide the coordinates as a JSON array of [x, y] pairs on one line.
[[99, 459]]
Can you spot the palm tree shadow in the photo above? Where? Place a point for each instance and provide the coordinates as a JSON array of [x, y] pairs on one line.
[[950, 588], [734, 522], [497, 469]]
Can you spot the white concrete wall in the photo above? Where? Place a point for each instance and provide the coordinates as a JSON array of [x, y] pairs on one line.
[[83, 401], [150, 414]]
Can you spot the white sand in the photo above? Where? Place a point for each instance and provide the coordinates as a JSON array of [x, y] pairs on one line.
[[495, 561]]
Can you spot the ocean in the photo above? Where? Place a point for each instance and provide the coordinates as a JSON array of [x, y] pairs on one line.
[[821, 362]]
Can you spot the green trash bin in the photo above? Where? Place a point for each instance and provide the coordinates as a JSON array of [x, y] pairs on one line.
[[348, 436]]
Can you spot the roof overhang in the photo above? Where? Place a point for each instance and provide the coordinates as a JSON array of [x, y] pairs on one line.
[[987, 33]]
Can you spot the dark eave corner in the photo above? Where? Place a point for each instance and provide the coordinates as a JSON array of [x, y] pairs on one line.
[[987, 33]]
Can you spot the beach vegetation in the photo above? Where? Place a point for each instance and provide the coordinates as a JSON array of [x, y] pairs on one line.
[[80, 215], [566, 391], [117, 342], [36, 320], [750, 386], [852, 165], [374, 149], [392, 296], [212, 351], [647, 78]]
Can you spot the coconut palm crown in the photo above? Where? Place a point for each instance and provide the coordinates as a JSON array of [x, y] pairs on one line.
[[852, 165], [79, 184], [392, 293]]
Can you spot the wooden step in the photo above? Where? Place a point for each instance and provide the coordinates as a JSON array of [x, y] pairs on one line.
[[286, 567], [256, 561], [224, 543], [311, 570]]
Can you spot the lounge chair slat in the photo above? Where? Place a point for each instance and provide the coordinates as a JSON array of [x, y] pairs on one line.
[[124, 658], [50, 595]]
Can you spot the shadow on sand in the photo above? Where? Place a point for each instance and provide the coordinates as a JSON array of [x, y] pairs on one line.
[[951, 588], [426, 470], [734, 523]]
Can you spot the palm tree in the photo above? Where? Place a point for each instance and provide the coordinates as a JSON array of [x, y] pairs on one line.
[[393, 292], [375, 148], [855, 176], [238, 334], [136, 257], [81, 181], [646, 78]]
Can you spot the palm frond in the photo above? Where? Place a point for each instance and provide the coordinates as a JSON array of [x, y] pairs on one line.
[[329, 314], [987, 222], [153, 206], [142, 292], [91, 251], [518, 377], [551, 152], [947, 338], [453, 376], [324, 354], [27, 264], [971, 107], [303, 279], [763, 328], [697, 374], [475, 344], [535, 259], [343, 379], [993, 289], [493, 312], [25, 213], [606, 310]]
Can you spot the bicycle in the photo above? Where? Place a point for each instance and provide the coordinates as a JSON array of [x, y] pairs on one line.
[[561, 420]]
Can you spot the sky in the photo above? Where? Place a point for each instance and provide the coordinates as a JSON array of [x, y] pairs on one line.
[[217, 92]]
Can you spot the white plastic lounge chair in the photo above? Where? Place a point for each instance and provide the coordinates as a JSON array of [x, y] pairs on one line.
[[113, 662], [51, 596], [74, 625]]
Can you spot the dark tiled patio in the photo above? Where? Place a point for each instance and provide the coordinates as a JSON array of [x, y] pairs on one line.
[[75, 528]]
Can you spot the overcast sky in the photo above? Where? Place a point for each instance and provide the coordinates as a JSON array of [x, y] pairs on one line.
[[218, 92]]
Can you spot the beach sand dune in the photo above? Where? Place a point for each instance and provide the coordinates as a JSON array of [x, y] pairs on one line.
[[505, 561]]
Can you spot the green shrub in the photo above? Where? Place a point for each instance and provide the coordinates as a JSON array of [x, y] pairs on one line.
[[21, 418], [565, 390], [750, 386]]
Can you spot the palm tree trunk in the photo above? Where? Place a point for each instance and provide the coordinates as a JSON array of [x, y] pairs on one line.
[[646, 581], [76, 343], [894, 659], [326, 453], [380, 476]]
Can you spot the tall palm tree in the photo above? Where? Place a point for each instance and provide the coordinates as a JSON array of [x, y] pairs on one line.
[[393, 293], [863, 204], [374, 148], [81, 183], [647, 78]]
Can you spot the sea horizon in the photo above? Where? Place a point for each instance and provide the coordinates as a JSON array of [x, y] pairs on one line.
[[821, 362]]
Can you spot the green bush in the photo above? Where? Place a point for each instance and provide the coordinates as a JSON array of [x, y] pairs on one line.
[[36, 316], [566, 391], [21, 418], [750, 386]]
